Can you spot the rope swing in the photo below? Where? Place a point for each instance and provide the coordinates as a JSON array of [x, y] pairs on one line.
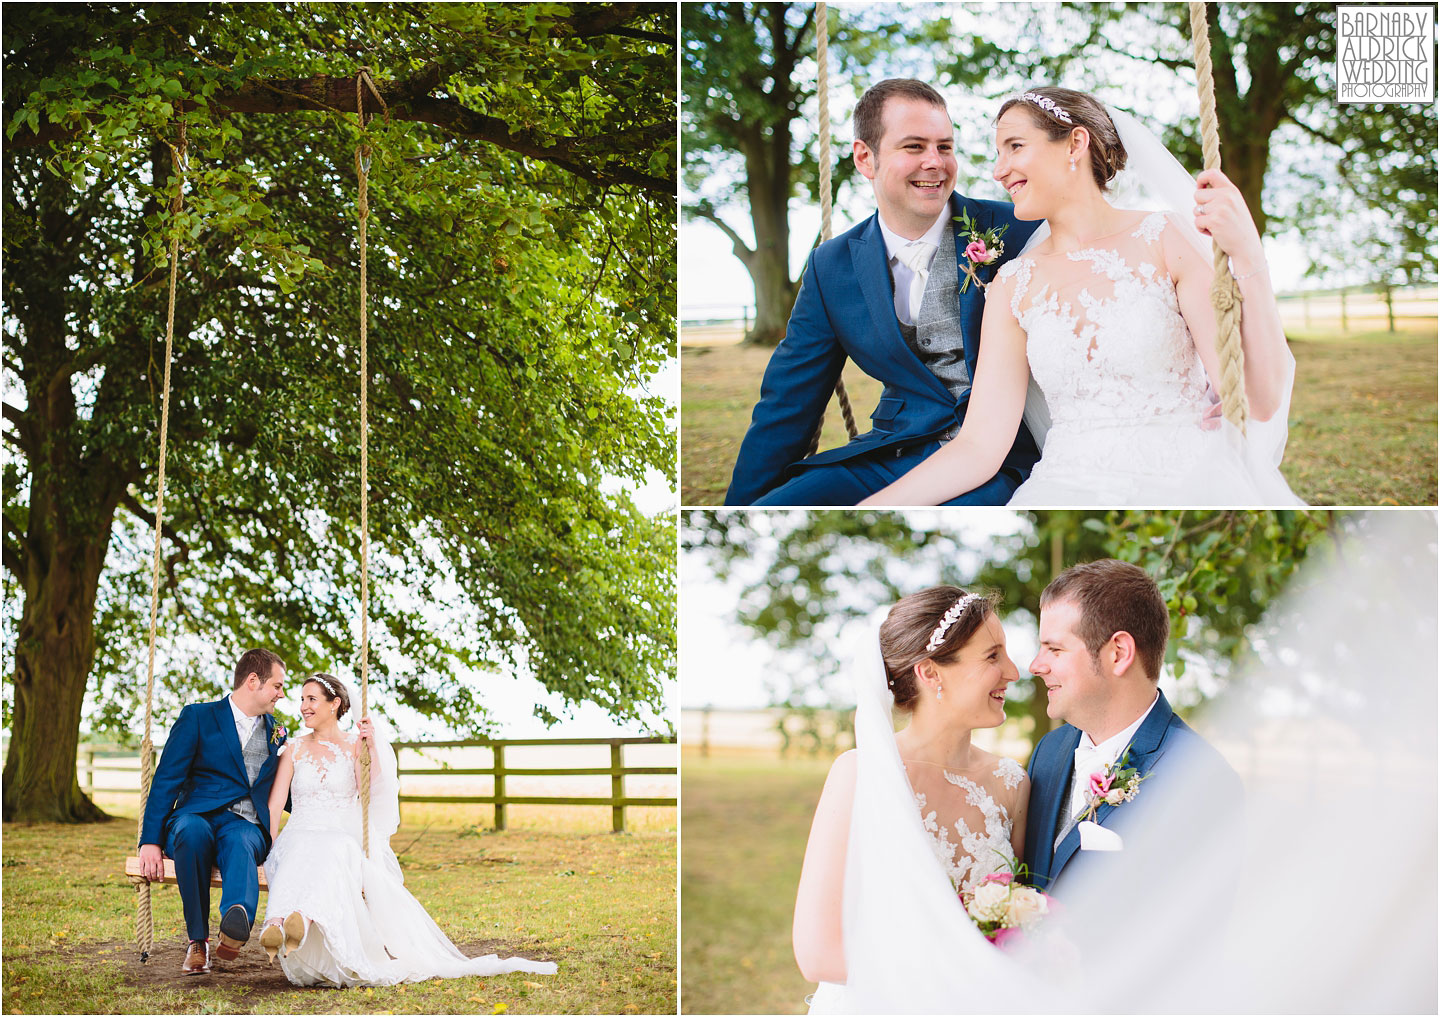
[[822, 61], [144, 922], [363, 81], [1224, 291]]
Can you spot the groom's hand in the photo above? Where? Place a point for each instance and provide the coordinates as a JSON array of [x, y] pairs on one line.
[[152, 862]]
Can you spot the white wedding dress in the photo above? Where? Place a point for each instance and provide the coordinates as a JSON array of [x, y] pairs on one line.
[[1125, 387], [364, 927]]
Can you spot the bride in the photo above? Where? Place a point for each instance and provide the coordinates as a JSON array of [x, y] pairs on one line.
[[336, 917], [908, 820], [1109, 311]]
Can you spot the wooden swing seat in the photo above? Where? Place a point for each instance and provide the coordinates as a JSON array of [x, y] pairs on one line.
[[132, 870]]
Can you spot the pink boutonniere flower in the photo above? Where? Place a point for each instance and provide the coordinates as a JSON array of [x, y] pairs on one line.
[[279, 734], [982, 247], [1116, 784]]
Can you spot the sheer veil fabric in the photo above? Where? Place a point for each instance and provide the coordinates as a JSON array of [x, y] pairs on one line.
[[1154, 179]]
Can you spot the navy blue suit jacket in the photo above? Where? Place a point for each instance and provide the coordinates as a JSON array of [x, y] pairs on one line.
[[203, 770], [1179, 761], [846, 308]]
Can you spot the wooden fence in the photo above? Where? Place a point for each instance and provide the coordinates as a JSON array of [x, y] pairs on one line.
[[617, 771]]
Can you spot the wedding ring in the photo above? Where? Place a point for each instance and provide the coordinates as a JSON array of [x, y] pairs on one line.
[[1199, 209]]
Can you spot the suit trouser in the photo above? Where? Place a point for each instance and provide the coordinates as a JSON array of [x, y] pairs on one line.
[[849, 481], [198, 842]]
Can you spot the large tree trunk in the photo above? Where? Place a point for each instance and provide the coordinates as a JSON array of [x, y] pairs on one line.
[[53, 654], [768, 182]]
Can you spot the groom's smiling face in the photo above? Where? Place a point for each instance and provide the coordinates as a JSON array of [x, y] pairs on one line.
[[912, 166], [1070, 673]]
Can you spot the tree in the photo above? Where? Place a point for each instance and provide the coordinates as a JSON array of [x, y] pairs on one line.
[[809, 574], [744, 100], [521, 238], [1284, 139]]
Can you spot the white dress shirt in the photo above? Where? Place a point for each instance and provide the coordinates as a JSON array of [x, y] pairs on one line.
[[1089, 758], [902, 272], [244, 723]]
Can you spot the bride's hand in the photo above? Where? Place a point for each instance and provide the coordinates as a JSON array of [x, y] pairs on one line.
[[366, 730], [1221, 213]]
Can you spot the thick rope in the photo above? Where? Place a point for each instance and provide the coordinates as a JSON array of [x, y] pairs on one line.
[[144, 922], [822, 61], [362, 172], [1224, 291]]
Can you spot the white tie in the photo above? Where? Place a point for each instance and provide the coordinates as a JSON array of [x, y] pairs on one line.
[[1087, 761], [917, 256]]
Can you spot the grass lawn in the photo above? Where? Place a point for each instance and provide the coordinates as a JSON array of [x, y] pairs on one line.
[[746, 820], [601, 905], [1362, 422]]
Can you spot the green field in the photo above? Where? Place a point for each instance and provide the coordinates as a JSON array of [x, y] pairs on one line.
[[601, 905], [1362, 421], [746, 820]]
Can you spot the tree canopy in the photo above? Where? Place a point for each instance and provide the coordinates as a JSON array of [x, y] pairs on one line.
[[521, 252]]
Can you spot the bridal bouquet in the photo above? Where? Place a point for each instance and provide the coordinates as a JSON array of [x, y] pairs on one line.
[[1003, 908]]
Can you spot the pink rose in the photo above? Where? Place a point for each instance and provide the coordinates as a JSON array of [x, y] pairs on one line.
[[998, 877], [977, 252], [1100, 783]]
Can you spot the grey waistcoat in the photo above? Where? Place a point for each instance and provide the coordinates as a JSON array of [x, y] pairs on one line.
[[255, 752], [936, 337]]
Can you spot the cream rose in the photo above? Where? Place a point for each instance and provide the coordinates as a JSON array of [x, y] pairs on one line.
[[1027, 906], [989, 902], [1115, 796]]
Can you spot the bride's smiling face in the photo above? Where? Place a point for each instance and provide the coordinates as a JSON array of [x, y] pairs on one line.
[[1032, 168], [974, 683], [314, 707]]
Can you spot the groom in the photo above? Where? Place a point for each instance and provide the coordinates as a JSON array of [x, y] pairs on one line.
[[885, 294], [209, 805], [1103, 630]]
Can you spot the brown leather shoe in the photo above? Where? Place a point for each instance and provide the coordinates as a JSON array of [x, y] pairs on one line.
[[197, 958]]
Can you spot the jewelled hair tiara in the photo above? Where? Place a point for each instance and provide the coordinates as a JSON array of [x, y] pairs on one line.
[[950, 618], [1049, 106], [320, 678]]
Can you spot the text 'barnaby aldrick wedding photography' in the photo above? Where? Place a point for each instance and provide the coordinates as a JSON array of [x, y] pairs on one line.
[[1385, 54]]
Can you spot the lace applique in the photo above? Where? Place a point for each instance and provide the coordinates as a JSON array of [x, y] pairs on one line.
[[1019, 267], [1011, 772], [1151, 227], [324, 780], [976, 854]]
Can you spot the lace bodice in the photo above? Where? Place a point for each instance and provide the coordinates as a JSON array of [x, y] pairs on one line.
[[1104, 335], [323, 794], [969, 829]]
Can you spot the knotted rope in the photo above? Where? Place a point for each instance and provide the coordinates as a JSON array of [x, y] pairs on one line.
[[144, 922], [1224, 291], [822, 60], [363, 81]]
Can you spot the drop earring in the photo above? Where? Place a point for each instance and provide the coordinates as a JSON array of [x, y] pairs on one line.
[[1072, 164], [939, 691]]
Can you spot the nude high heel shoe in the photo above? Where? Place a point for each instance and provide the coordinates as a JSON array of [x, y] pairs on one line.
[[272, 938], [294, 930]]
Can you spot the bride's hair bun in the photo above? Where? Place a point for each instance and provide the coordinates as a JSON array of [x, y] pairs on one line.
[[907, 630], [331, 688], [1079, 109]]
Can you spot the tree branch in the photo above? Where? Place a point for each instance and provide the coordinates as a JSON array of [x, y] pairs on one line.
[[409, 99], [706, 211]]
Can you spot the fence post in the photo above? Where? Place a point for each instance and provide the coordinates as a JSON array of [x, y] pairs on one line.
[[1390, 305], [1344, 313], [90, 770], [498, 751], [617, 786], [705, 732]]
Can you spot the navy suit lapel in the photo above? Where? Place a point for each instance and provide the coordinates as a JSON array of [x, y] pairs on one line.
[[229, 737], [972, 301], [1144, 753], [1053, 806]]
